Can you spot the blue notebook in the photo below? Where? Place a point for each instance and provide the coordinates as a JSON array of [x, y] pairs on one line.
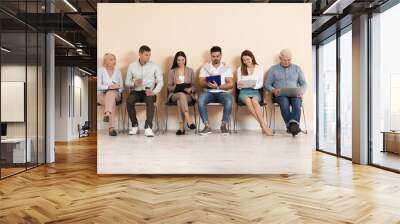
[[214, 78]]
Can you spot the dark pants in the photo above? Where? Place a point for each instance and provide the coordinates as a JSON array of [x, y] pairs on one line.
[[140, 97], [285, 103]]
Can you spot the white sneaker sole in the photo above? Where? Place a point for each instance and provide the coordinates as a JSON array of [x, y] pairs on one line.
[[133, 133], [205, 133]]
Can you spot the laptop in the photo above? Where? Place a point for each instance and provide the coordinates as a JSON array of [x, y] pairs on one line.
[[290, 92]]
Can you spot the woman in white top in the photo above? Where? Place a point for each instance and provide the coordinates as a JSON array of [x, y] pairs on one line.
[[250, 78], [109, 89]]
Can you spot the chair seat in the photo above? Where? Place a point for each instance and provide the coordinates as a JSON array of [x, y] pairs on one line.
[[143, 103], [214, 104]]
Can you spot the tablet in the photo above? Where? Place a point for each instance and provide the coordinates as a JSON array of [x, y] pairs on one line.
[[248, 83], [214, 78], [181, 87]]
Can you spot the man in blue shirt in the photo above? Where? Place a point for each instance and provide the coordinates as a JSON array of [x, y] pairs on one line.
[[287, 75]]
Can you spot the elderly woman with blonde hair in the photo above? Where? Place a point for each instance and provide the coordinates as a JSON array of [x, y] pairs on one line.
[[109, 89]]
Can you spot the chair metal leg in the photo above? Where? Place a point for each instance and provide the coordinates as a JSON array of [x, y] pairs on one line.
[[305, 121], [264, 117], [270, 119], [265, 114], [166, 119], [124, 119], [229, 124], [156, 117], [273, 129], [199, 120], [195, 117], [235, 121], [118, 119]]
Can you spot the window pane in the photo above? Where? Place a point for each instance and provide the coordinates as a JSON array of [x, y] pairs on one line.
[[346, 93], [327, 97], [13, 83]]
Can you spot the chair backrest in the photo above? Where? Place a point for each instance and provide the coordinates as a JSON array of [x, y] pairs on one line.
[[86, 126], [237, 92]]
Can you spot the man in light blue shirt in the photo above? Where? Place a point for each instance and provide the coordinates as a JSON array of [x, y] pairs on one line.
[[145, 79], [287, 75]]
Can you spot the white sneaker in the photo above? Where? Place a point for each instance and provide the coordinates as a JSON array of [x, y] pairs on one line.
[[133, 131], [148, 132]]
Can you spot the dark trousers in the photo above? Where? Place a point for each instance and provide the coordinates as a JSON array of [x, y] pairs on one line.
[[140, 97]]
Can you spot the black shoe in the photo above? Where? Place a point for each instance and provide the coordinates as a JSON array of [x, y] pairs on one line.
[[112, 132], [191, 126], [180, 132], [294, 128], [106, 118]]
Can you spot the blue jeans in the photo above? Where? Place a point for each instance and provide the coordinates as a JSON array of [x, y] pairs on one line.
[[289, 115], [219, 97]]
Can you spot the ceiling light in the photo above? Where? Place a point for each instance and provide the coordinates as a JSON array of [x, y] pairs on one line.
[[84, 71], [70, 5], [64, 40], [338, 6], [5, 50]]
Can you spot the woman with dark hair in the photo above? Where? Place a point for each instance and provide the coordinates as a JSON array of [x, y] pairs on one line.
[[181, 88], [250, 78]]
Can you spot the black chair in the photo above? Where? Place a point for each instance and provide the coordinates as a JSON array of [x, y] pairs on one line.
[[83, 130], [263, 106], [273, 111], [169, 103]]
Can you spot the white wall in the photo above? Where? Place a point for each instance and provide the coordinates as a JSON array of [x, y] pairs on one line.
[[70, 83]]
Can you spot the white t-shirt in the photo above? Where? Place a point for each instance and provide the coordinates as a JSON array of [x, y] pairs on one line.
[[181, 78], [258, 75], [223, 70]]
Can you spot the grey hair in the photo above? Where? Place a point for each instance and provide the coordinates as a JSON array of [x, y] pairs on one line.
[[107, 55], [286, 53]]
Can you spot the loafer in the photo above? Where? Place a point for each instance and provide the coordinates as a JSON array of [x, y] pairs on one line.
[[113, 132], [191, 126], [180, 132]]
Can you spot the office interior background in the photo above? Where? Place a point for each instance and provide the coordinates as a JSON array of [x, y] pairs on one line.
[[48, 74]]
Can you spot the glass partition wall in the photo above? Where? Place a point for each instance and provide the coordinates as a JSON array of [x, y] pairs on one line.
[[334, 94], [385, 88], [22, 76]]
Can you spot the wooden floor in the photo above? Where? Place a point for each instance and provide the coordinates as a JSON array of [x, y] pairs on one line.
[[70, 191]]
